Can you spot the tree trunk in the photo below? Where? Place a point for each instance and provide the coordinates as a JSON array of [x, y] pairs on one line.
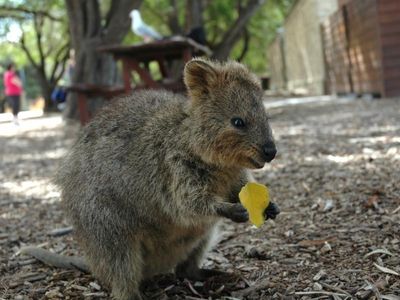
[[246, 41], [194, 14], [224, 48], [46, 88], [88, 32], [173, 19]]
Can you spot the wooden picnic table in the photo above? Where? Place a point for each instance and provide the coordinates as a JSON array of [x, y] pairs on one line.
[[85, 91], [136, 59]]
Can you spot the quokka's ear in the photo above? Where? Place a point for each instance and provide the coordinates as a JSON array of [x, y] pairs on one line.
[[199, 76]]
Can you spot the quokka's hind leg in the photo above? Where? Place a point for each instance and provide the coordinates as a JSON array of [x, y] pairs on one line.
[[121, 269], [125, 290], [190, 267], [128, 275], [126, 294]]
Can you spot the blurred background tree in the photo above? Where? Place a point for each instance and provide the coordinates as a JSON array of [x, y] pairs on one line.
[[259, 22], [92, 24], [239, 29], [34, 34]]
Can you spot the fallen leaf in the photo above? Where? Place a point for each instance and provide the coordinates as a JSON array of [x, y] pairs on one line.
[[390, 297], [311, 243], [378, 251], [386, 270], [326, 248], [372, 202]]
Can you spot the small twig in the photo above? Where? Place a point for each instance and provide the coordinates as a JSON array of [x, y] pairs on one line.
[[378, 251], [192, 289], [94, 294], [169, 287], [320, 293], [386, 270], [246, 281], [157, 295], [256, 287], [219, 290], [352, 271], [60, 231], [374, 289], [335, 288]]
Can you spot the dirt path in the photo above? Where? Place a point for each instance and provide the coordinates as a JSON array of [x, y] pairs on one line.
[[336, 179]]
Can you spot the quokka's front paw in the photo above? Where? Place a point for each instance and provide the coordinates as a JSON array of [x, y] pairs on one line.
[[271, 211], [236, 212]]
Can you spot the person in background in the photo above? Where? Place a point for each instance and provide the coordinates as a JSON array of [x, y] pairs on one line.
[[13, 90]]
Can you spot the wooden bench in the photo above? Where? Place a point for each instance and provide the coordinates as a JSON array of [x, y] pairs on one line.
[[136, 59], [86, 91]]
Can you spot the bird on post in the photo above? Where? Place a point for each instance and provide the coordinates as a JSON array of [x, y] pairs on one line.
[[142, 29]]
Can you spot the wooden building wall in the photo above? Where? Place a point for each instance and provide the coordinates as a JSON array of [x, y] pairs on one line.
[[336, 54], [362, 47], [277, 65], [299, 53], [389, 25], [363, 39]]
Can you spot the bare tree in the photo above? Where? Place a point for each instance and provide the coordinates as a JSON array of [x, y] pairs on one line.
[[47, 60]]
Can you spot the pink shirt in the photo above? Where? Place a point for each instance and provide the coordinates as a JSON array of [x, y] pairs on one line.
[[11, 89]]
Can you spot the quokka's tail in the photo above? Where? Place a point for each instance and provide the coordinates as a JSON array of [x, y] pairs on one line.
[[56, 260]]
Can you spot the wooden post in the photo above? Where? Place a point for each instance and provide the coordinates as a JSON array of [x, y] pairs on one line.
[[83, 109]]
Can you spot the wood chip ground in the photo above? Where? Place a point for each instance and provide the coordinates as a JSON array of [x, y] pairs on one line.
[[336, 179]]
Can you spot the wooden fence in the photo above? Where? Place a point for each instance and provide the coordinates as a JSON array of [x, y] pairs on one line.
[[362, 48]]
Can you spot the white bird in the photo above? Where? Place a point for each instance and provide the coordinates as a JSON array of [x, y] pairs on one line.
[[141, 28]]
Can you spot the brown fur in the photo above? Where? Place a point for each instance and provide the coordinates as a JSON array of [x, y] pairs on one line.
[[151, 175]]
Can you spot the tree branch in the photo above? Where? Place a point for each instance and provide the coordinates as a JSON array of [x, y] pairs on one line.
[[63, 53], [27, 52], [164, 17], [93, 21], [75, 19], [223, 49], [194, 14], [119, 21], [20, 9], [173, 18], [246, 41], [38, 25], [62, 62], [110, 12]]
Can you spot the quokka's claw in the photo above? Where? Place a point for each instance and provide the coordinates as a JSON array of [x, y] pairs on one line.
[[272, 211]]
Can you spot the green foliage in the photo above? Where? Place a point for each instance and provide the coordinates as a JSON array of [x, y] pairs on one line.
[[218, 17], [155, 13], [51, 20], [262, 29], [8, 53], [31, 88]]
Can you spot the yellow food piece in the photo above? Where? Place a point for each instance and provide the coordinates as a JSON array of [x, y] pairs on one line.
[[255, 198]]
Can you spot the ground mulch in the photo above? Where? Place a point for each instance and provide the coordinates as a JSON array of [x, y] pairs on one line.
[[336, 179]]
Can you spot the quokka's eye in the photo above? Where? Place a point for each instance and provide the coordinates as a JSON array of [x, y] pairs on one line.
[[238, 122]]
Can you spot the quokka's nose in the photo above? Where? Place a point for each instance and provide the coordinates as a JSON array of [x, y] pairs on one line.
[[269, 150]]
